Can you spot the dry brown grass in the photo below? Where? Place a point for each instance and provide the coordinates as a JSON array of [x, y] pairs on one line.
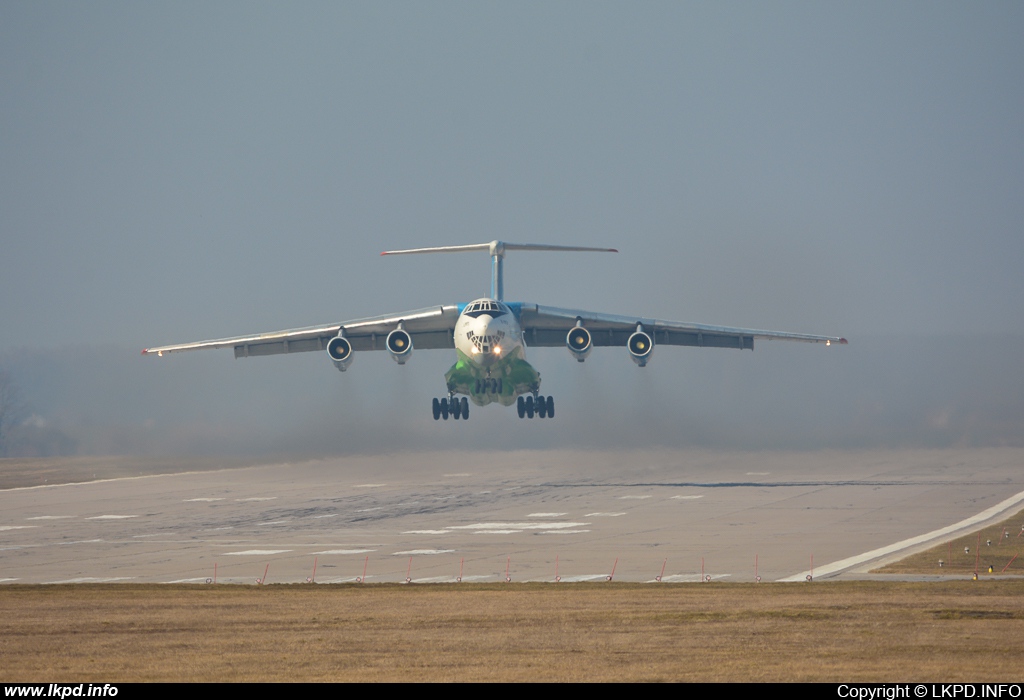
[[1005, 552], [826, 631]]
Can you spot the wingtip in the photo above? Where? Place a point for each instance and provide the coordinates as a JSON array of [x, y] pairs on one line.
[[844, 341], [145, 351]]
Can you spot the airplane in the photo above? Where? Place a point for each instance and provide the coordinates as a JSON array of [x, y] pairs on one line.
[[490, 337]]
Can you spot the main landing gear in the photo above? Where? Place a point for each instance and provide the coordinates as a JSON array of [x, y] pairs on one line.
[[541, 406], [451, 405]]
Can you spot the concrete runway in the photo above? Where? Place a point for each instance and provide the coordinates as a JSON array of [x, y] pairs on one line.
[[492, 510]]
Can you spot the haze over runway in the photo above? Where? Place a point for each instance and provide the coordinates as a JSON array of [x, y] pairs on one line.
[[425, 515], [173, 173]]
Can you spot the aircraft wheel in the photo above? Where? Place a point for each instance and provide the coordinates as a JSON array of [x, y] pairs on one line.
[[455, 408], [551, 407], [444, 408], [465, 408], [542, 407], [437, 409], [497, 385], [529, 407], [521, 406]]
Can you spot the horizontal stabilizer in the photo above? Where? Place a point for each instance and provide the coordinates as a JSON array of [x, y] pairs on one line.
[[497, 249]]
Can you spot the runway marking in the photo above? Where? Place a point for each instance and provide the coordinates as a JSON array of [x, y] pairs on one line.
[[111, 517], [584, 577], [515, 526], [546, 515], [64, 544], [367, 510], [7, 580], [201, 579], [256, 552], [92, 579], [201, 500], [603, 515], [346, 551], [427, 532], [688, 578], [51, 517], [563, 532], [255, 498], [841, 565], [637, 498], [16, 527], [497, 532], [317, 517], [687, 498], [412, 552], [273, 522], [118, 478], [452, 579]]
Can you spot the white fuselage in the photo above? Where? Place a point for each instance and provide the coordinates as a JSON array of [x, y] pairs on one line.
[[488, 331]]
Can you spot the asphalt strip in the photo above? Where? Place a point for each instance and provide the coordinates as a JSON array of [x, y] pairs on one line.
[[844, 564]]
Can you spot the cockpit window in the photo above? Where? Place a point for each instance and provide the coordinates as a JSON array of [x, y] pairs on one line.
[[486, 343], [492, 308]]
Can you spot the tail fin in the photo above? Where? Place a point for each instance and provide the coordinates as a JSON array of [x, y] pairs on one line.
[[497, 251]]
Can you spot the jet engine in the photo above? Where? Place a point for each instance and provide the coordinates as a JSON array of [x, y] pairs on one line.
[[579, 343], [640, 346], [399, 345], [340, 351]]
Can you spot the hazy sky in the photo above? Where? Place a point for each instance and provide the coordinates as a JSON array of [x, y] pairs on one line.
[[179, 171]]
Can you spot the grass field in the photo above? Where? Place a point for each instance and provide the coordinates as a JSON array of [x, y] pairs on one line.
[[999, 547], [823, 631]]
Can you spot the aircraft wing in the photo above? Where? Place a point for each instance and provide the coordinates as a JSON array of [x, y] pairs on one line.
[[547, 326], [430, 328]]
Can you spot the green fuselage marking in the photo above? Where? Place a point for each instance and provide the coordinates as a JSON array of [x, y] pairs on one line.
[[501, 381]]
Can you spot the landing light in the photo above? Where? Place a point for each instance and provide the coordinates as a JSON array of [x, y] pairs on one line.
[[827, 343], [497, 349], [475, 350]]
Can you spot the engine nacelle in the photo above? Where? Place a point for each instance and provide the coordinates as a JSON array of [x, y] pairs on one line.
[[399, 344], [579, 343], [640, 346], [340, 352]]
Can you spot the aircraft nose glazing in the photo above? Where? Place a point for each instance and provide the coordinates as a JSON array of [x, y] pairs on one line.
[[486, 338]]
